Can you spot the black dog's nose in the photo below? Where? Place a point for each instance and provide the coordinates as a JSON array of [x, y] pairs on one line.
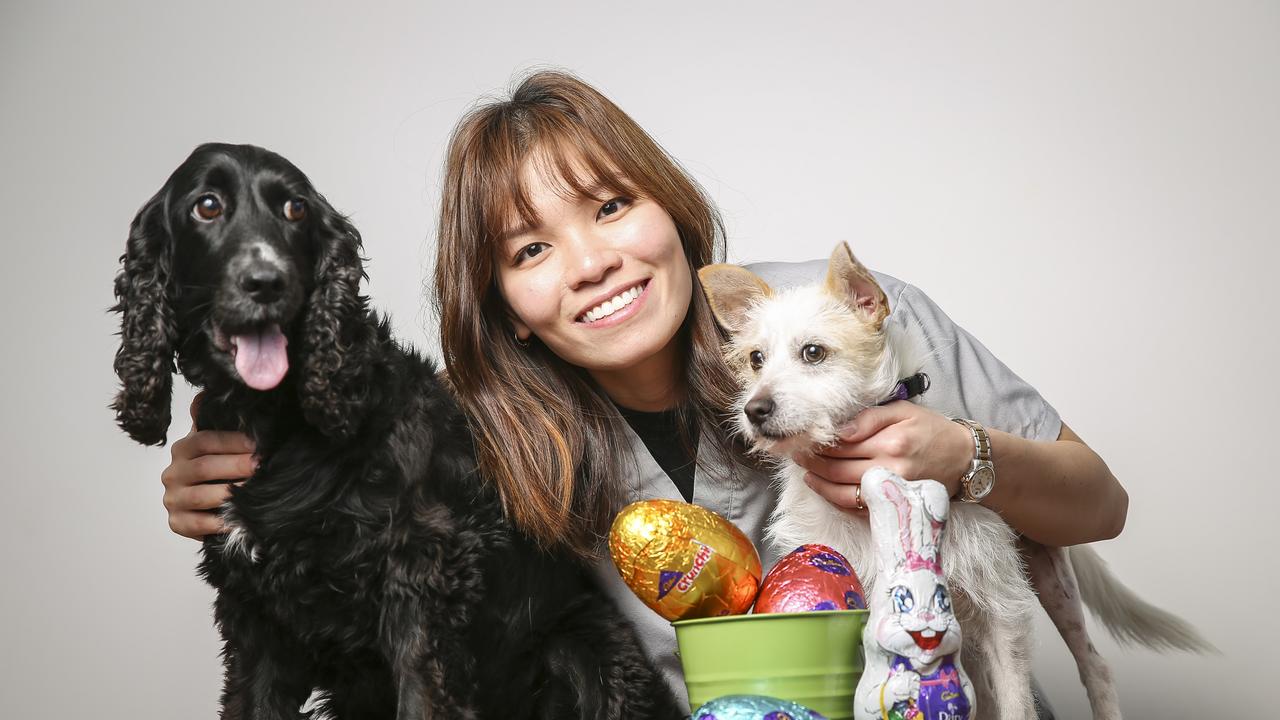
[[758, 409], [263, 283]]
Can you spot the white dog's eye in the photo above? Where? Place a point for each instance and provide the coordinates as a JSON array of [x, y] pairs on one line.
[[813, 354], [757, 359]]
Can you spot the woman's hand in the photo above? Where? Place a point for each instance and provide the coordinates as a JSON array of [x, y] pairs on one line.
[[196, 482], [911, 440]]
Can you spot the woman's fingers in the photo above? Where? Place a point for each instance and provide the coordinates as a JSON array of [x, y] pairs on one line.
[[192, 508], [207, 468], [196, 481], [836, 470], [196, 497], [195, 525], [874, 419], [845, 496], [863, 449], [211, 442]]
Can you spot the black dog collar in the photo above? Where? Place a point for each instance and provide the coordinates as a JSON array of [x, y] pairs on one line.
[[908, 388]]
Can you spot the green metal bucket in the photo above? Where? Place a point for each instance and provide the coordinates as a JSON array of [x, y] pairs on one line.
[[813, 658]]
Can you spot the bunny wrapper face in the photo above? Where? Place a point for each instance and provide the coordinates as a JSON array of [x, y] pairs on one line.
[[912, 640]]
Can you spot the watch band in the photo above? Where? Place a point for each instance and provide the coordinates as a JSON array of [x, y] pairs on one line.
[[981, 440]]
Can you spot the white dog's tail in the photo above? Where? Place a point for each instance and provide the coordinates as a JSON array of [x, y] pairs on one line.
[[1129, 618]]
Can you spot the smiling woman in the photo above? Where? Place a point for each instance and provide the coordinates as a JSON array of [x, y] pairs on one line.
[[580, 236]]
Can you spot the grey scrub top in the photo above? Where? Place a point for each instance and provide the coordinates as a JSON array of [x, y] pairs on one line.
[[966, 380]]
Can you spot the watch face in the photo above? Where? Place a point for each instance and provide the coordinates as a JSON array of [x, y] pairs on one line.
[[982, 481]]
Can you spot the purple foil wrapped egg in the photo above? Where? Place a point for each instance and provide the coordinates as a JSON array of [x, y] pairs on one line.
[[810, 578], [754, 707]]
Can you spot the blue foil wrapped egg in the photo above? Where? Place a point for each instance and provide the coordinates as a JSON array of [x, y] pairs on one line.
[[754, 707]]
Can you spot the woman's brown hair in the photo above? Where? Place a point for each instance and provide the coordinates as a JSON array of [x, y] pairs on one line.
[[546, 435]]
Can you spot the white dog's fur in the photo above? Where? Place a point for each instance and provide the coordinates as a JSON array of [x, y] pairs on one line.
[[864, 359]]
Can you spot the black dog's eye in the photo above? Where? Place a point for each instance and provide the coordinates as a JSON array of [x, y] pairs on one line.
[[813, 354], [757, 359], [207, 208], [295, 209]]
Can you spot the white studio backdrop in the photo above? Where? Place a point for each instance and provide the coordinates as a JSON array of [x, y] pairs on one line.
[[1092, 189]]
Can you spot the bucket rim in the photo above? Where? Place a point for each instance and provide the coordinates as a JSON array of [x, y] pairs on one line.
[[762, 616]]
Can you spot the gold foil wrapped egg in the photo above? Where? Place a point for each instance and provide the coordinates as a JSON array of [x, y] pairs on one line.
[[684, 561]]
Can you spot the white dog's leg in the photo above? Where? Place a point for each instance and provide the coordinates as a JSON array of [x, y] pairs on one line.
[[1009, 664], [982, 563], [996, 654], [974, 649], [1055, 581]]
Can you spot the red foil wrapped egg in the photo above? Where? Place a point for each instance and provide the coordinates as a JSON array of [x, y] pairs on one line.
[[683, 560], [811, 577]]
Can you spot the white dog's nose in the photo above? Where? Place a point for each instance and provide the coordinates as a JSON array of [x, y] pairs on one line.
[[758, 409]]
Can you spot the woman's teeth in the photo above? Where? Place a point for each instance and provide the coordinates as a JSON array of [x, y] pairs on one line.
[[613, 305]]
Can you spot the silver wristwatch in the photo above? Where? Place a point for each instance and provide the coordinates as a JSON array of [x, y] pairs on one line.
[[981, 478]]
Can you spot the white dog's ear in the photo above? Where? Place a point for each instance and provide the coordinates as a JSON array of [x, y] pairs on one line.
[[732, 291], [850, 282]]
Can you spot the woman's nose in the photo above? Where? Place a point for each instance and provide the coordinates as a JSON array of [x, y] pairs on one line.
[[590, 260]]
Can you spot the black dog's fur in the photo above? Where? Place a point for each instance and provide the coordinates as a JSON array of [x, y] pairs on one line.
[[365, 558]]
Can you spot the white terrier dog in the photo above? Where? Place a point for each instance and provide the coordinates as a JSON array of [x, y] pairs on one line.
[[809, 359]]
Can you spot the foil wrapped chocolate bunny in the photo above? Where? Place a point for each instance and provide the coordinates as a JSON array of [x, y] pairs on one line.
[[912, 639]]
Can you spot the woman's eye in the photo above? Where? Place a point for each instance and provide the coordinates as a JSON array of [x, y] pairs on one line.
[[530, 251], [813, 354], [295, 209], [207, 208], [612, 207], [757, 359]]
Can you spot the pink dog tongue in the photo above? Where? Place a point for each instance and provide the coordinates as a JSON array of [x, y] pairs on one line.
[[260, 357]]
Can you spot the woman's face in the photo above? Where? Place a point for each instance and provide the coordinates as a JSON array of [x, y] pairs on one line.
[[604, 284]]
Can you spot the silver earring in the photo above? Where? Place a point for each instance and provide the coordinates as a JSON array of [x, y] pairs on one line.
[[523, 343]]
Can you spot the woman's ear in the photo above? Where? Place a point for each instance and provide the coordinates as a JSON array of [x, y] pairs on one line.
[[519, 328], [523, 333]]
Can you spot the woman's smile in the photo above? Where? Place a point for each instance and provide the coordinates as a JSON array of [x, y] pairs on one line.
[[616, 307]]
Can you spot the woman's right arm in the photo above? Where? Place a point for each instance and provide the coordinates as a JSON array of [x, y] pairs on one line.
[[197, 480]]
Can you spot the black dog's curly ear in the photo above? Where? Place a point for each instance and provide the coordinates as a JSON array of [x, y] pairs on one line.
[[337, 342], [148, 328]]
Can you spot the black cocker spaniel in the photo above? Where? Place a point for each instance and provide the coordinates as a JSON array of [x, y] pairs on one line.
[[364, 557]]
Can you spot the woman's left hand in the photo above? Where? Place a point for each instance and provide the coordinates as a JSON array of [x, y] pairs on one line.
[[912, 441]]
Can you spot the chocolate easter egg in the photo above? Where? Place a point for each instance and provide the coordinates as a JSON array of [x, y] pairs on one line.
[[811, 577], [684, 561], [754, 707]]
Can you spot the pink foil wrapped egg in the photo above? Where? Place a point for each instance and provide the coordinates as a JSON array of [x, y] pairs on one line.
[[811, 577]]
